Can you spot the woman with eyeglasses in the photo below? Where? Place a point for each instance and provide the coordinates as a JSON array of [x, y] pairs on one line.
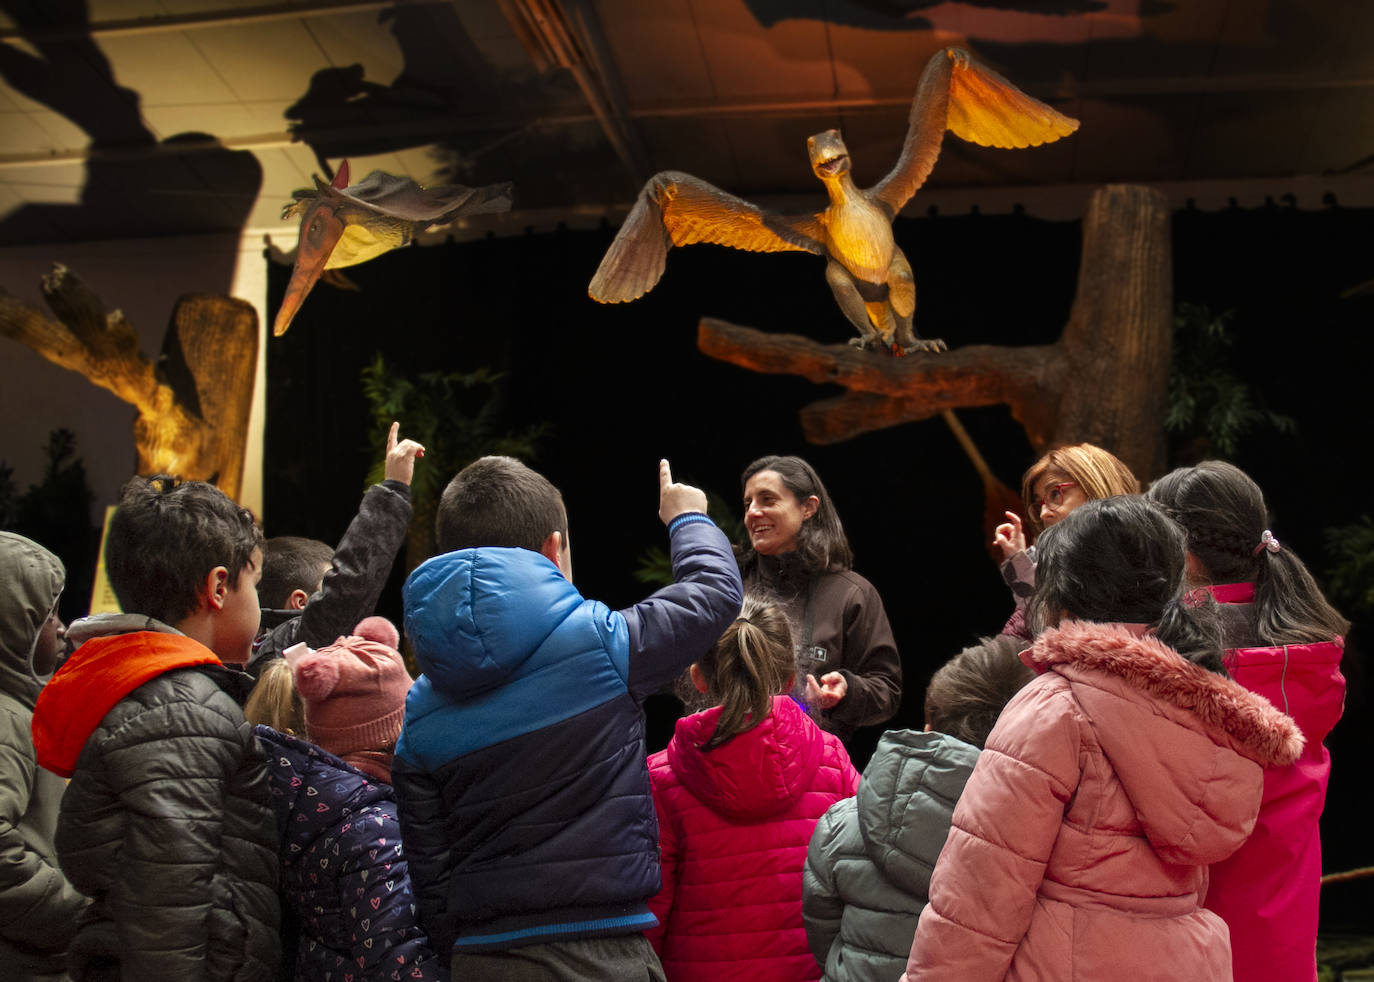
[[1055, 485]]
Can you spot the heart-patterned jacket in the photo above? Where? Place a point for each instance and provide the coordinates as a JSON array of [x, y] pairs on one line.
[[348, 911]]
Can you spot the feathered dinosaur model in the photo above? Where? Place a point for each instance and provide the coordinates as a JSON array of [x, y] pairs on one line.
[[869, 275], [343, 224]]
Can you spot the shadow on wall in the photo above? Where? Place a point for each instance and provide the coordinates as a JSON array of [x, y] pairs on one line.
[[135, 185]]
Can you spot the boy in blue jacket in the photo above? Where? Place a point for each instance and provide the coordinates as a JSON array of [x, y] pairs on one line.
[[524, 798]]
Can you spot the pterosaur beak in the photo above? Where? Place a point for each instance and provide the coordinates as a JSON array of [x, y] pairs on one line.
[[321, 229]]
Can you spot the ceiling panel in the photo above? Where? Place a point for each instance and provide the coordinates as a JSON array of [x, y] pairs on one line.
[[165, 69], [1247, 135], [1140, 138], [746, 61], [657, 50], [358, 38], [1341, 137], [257, 62]]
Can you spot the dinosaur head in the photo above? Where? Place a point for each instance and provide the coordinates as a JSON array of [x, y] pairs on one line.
[[322, 225], [829, 155]]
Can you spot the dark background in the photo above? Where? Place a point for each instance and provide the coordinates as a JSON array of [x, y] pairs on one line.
[[621, 386]]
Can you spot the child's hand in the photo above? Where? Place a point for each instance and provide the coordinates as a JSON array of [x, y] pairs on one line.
[[1009, 536], [400, 457], [676, 499], [827, 692]]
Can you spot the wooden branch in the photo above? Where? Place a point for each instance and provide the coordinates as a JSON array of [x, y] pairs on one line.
[[1105, 381], [906, 389]]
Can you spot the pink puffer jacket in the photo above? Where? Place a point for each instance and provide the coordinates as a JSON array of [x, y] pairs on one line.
[[733, 827], [1269, 891], [1080, 845]]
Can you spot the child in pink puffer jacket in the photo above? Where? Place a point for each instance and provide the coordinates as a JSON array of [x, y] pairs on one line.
[[1080, 846], [738, 792]]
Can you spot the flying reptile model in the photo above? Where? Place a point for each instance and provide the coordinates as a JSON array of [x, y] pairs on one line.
[[345, 224], [867, 272]]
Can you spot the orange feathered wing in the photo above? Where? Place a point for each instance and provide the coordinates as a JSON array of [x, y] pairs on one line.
[[679, 209], [960, 94]]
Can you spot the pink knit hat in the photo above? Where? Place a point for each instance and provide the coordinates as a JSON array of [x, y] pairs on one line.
[[354, 690]]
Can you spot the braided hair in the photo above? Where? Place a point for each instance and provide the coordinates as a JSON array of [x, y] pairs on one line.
[[1223, 513]]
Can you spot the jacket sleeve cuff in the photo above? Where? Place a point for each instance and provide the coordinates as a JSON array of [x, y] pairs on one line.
[[400, 487], [687, 518]]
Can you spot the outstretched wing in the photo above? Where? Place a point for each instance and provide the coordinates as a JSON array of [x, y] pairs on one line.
[[679, 209], [401, 197], [959, 93]]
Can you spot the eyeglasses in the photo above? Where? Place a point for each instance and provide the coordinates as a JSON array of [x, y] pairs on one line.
[[1054, 495]]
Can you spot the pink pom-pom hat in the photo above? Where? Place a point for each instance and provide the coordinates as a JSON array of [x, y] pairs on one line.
[[354, 690]]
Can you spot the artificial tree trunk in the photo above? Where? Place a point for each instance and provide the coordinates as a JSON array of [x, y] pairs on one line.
[[1105, 381], [192, 403]]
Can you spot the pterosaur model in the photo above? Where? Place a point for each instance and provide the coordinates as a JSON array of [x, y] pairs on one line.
[[867, 272], [345, 224]]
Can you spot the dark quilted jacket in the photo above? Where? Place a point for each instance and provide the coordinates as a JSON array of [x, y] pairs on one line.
[[345, 882], [166, 822]]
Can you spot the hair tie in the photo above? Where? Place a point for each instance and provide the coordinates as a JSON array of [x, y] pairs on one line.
[[1267, 541]]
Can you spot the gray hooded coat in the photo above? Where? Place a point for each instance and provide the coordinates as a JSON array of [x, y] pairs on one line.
[[38, 907], [868, 868]]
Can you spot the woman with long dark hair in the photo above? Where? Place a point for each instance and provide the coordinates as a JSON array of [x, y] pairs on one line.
[[799, 555]]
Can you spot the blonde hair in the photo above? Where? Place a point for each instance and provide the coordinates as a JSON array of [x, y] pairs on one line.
[[274, 701], [1097, 472], [753, 661]]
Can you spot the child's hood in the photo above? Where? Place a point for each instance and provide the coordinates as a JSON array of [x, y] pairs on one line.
[[760, 773], [1185, 743], [94, 679], [906, 800], [32, 578], [473, 616]]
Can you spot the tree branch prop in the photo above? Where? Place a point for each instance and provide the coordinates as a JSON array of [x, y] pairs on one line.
[[1105, 381], [192, 405]]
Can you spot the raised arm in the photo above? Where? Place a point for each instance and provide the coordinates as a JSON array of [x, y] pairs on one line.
[[677, 624]]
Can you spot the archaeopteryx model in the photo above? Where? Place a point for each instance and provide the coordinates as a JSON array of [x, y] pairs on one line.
[[869, 275], [343, 224]]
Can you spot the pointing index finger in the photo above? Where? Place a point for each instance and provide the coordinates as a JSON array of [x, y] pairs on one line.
[[665, 474], [392, 435]]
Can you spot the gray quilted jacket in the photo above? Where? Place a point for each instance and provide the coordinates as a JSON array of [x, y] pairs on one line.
[[38, 907], [868, 868]]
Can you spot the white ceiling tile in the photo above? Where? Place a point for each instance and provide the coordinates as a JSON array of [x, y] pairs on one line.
[[165, 69], [20, 134], [349, 39], [61, 132], [263, 62], [224, 119]]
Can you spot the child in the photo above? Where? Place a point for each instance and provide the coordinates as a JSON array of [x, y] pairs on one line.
[[274, 701], [524, 797], [1053, 486], [312, 593], [1284, 641], [1079, 848], [738, 791], [868, 866], [345, 884], [166, 823], [38, 907]]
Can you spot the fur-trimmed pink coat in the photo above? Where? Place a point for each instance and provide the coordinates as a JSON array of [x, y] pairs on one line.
[[1080, 846]]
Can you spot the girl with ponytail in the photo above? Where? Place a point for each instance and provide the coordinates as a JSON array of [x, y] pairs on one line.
[[738, 791], [1284, 641], [1080, 847]]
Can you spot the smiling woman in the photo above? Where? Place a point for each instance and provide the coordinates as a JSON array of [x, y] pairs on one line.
[[798, 555]]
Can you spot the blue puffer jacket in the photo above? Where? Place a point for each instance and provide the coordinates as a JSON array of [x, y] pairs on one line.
[[344, 879], [524, 794]]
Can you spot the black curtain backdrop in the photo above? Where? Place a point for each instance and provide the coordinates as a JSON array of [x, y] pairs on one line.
[[621, 386]]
